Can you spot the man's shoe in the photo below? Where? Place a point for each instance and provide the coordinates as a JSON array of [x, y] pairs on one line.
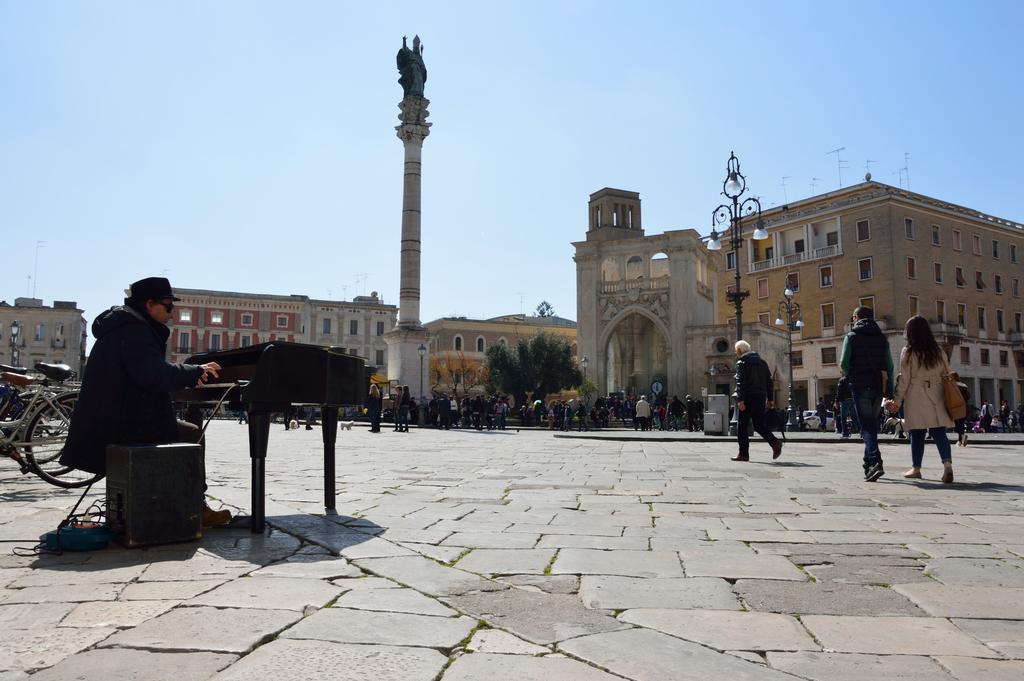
[[741, 457], [213, 518], [777, 449], [874, 473], [947, 475]]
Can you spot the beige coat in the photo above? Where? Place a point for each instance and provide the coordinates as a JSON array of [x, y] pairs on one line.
[[921, 392]]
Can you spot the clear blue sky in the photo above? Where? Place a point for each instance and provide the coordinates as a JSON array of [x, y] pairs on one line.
[[249, 146]]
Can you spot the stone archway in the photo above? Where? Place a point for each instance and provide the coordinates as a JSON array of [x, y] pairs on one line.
[[635, 351]]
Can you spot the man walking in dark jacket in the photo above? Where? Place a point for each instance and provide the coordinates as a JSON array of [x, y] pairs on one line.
[[867, 362], [755, 391], [125, 396]]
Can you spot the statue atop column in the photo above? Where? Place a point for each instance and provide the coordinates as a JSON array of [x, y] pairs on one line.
[[411, 67]]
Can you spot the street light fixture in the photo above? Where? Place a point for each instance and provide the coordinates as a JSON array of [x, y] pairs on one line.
[[15, 330], [733, 188], [584, 362], [422, 349], [789, 315]]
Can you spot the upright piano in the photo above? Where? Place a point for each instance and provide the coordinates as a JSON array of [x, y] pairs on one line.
[[269, 378]]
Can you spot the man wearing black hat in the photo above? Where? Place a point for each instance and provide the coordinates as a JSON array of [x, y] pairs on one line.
[[125, 396]]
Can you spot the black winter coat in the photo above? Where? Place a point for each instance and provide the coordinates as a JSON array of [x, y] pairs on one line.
[[125, 396], [753, 379]]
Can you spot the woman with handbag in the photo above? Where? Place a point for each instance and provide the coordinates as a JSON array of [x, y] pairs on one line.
[[921, 390]]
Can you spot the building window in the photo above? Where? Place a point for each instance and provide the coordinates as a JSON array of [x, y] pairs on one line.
[[246, 319], [730, 260], [1018, 322], [1013, 252], [216, 317], [936, 236], [185, 343], [828, 355], [825, 276], [985, 360], [976, 244], [995, 249], [379, 358], [480, 344], [832, 239], [380, 328], [798, 358], [282, 321], [828, 316], [353, 327], [215, 342], [960, 279], [458, 343], [246, 341], [908, 228], [864, 269], [981, 319], [961, 315], [793, 281], [958, 242], [965, 354], [914, 307], [762, 288], [863, 230], [1015, 287], [763, 318], [185, 316], [867, 302], [1004, 358], [40, 333], [911, 268], [999, 283], [1000, 326], [326, 329], [940, 311], [799, 246], [938, 272], [979, 280]]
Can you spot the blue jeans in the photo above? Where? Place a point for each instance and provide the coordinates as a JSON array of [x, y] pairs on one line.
[[917, 445], [848, 409], [867, 404], [403, 418]]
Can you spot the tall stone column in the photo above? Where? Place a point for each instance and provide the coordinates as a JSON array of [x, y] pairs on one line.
[[405, 364]]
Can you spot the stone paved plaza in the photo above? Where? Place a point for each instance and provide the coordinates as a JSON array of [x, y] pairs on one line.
[[470, 556]]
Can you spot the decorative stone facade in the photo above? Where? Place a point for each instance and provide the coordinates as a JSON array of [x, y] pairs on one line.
[[54, 334]]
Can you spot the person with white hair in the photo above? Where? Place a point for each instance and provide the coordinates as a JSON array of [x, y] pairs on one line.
[[643, 412], [755, 392]]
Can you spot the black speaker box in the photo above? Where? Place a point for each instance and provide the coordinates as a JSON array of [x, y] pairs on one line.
[[155, 493]]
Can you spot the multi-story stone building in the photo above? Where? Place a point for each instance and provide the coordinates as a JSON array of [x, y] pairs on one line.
[[902, 254], [472, 337], [44, 334], [208, 321]]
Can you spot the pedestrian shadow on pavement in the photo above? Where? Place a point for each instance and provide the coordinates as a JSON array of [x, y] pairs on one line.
[[969, 486]]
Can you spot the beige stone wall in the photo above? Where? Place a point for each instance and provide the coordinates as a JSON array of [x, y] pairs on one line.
[[443, 332], [59, 341]]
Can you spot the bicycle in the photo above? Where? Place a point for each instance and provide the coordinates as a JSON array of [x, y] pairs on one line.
[[34, 422]]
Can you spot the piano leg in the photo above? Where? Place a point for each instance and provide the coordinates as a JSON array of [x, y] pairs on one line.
[[329, 417], [259, 435]]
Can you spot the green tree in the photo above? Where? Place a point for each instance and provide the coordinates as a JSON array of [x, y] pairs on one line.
[[545, 309], [541, 365]]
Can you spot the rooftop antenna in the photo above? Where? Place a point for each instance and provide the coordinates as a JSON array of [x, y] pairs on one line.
[[839, 163], [906, 167], [785, 196], [522, 297], [35, 267], [361, 275], [814, 183], [867, 170], [344, 291], [899, 172]]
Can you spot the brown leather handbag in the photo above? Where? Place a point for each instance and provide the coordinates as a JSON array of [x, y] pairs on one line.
[[956, 406]]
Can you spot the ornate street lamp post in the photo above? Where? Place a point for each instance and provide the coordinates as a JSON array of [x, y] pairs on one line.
[[584, 362], [422, 349], [15, 330], [733, 188], [789, 314]]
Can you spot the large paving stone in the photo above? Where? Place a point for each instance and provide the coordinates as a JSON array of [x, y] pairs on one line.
[[119, 614], [62, 593], [33, 615], [893, 636], [226, 630], [735, 561], [855, 667], [726, 630], [343, 625], [646, 655], [492, 540], [1006, 636], [552, 584], [507, 561], [978, 602], [394, 600], [623, 563], [427, 576], [537, 617], [484, 667], [31, 649], [168, 591], [622, 593], [973, 669], [270, 593], [502, 643], [580, 541], [309, 566], [807, 598], [136, 665], [78, 575], [867, 571], [976, 572], [322, 660]]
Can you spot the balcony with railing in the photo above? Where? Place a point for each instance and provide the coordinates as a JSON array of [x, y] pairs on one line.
[[796, 258], [639, 284]]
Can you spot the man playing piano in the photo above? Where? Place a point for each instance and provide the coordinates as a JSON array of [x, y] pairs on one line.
[[125, 396]]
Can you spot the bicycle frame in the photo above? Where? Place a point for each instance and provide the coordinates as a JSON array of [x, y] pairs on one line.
[[12, 431]]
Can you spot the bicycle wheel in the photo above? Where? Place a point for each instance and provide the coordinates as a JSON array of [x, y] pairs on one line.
[[44, 440]]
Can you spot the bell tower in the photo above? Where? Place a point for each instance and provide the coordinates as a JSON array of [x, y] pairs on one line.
[[614, 214]]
